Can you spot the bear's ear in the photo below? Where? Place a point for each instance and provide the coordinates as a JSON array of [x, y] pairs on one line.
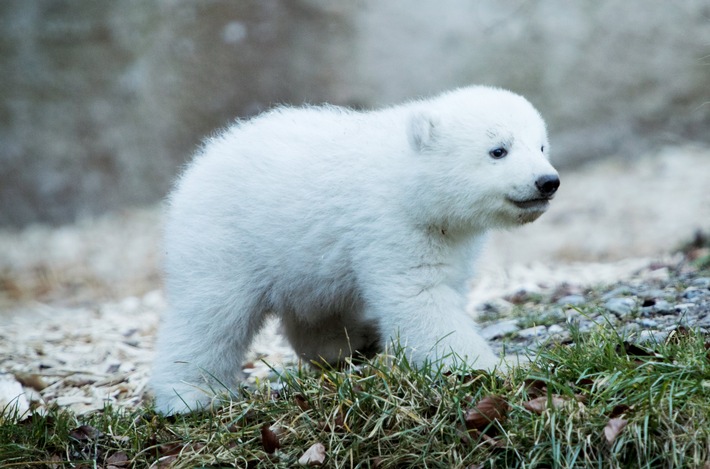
[[421, 131]]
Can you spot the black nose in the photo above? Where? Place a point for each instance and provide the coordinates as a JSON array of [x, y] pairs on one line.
[[547, 185]]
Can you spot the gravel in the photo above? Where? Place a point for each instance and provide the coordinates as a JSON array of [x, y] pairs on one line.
[[645, 307]]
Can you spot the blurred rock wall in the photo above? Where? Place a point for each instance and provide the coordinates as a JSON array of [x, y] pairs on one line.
[[103, 100]]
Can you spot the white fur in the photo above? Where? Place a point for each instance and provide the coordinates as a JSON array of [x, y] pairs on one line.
[[355, 228]]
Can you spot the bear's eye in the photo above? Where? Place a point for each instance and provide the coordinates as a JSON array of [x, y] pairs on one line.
[[498, 153], [542, 149]]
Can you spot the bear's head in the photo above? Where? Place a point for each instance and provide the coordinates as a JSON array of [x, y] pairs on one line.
[[482, 156]]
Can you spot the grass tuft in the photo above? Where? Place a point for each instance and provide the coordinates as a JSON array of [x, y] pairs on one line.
[[599, 402]]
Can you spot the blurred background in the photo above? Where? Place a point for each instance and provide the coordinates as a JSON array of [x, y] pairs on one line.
[[104, 100]]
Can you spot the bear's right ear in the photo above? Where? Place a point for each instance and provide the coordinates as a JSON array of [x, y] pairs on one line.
[[421, 130]]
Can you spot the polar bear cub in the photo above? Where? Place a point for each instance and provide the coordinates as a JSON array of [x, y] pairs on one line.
[[354, 228]]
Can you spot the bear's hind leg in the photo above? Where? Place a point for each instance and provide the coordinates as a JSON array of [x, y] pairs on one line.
[[199, 353]]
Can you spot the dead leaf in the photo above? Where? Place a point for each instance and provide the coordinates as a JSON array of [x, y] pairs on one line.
[[613, 428], [541, 404], [488, 409], [31, 380], [85, 433], [119, 459], [492, 441], [55, 461], [170, 449], [535, 387], [585, 383], [269, 439], [475, 437], [619, 410], [314, 456], [301, 402], [166, 462]]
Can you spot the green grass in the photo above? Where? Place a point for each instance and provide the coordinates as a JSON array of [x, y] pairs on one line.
[[385, 414]]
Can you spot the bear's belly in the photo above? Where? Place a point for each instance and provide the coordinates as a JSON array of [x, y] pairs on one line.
[[313, 297]]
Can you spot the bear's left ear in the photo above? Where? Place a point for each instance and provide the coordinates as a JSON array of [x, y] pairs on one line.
[[421, 131]]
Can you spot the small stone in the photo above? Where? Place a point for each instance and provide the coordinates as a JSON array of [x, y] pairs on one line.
[[552, 316], [585, 325], [620, 306], [630, 328], [12, 396], [692, 293], [617, 292], [701, 282], [662, 306], [682, 308], [555, 329], [648, 323], [500, 329], [496, 307], [653, 336], [654, 294], [532, 332], [572, 300], [703, 321]]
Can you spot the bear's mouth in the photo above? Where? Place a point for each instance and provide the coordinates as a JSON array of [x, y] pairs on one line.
[[540, 203]]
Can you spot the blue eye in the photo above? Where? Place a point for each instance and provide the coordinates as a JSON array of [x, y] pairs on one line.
[[498, 153]]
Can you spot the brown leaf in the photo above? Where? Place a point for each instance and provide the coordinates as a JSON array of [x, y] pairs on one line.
[[475, 437], [535, 387], [613, 428], [85, 433], [170, 449], [541, 404], [55, 461], [31, 380], [618, 410], [585, 383], [314, 456], [301, 402], [166, 462], [488, 409], [119, 459], [269, 439]]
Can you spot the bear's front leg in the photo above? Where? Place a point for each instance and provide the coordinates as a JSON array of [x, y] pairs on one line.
[[431, 324]]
